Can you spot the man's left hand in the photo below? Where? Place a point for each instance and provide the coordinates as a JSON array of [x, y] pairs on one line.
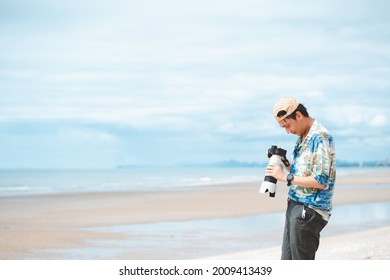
[[276, 172]]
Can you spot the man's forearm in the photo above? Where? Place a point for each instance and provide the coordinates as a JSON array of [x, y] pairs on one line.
[[305, 182]]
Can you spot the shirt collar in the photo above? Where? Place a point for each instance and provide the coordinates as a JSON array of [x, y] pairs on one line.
[[310, 134]]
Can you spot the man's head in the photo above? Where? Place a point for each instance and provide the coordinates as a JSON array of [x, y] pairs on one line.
[[291, 115]]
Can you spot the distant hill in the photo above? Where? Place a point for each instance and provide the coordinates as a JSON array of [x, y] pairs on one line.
[[236, 163], [377, 163], [232, 163]]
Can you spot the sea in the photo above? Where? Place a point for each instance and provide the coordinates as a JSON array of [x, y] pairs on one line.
[[16, 182]]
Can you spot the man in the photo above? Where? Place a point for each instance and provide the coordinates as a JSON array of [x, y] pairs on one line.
[[311, 180]]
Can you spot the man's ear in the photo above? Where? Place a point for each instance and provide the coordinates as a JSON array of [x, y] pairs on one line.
[[299, 115]]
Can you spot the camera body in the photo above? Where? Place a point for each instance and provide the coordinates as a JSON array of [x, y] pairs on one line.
[[275, 156]]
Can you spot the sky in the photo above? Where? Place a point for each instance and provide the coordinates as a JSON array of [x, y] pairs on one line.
[[97, 84]]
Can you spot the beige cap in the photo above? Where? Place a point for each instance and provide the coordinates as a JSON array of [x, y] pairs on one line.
[[287, 104]]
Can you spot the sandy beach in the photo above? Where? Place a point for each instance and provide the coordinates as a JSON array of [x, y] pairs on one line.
[[29, 225]]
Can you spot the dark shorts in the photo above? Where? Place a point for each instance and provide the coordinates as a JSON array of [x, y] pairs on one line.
[[301, 232]]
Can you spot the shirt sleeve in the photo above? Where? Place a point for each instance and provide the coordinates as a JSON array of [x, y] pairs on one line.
[[321, 159]]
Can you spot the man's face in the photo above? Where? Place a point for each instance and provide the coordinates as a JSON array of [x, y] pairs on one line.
[[291, 126]]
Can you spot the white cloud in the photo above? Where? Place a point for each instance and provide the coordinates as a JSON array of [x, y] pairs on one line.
[[91, 76], [315, 94], [345, 115], [378, 120], [86, 134]]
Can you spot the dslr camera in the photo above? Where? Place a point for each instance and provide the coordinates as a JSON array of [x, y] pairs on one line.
[[276, 157]]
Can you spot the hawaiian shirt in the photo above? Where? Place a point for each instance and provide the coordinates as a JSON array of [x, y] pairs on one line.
[[315, 156]]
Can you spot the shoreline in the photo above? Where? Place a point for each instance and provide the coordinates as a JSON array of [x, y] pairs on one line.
[[42, 222]]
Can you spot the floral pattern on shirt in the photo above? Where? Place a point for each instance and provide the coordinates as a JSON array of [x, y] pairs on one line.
[[315, 156]]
